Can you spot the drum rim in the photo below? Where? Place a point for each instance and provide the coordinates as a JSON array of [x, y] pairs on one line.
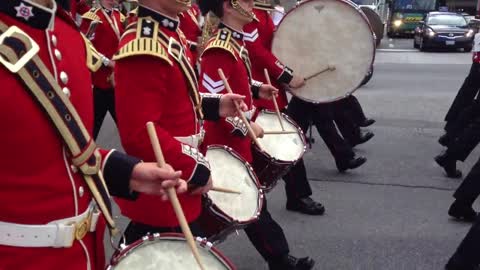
[[120, 255], [261, 194], [291, 121], [364, 17]]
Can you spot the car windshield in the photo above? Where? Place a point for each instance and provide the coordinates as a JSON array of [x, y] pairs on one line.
[[451, 20], [427, 5], [364, 2]]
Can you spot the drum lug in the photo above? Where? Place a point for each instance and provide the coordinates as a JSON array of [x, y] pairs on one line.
[[203, 242]]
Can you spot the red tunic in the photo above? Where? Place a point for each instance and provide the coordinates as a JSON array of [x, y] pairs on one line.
[[105, 39], [258, 39], [38, 183], [151, 86], [191, 28], [220, 53]]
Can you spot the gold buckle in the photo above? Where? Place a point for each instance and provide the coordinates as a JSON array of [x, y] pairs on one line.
[[83, 227], [15, 67]]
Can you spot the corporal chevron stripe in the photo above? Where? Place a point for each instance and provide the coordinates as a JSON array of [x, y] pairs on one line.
[[211, 85], [251, 37]]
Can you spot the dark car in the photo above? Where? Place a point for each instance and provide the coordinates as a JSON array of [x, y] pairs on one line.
[[443, 30]]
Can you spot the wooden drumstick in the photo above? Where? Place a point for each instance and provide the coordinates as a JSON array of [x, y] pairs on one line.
[[225, 190], [242, 116], [172, 195], [329, 68], [267, 77], [278, 132]]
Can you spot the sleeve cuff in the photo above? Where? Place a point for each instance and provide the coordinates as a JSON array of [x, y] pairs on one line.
[[211, 106], [117, 173], [256, 89], [200, 175], [286, 76]]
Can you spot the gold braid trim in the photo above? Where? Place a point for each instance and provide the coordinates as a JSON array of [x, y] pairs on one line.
[[221, 41], [94, 60], [143, 46], [92, 15]]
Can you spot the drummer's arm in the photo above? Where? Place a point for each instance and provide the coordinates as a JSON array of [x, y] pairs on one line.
[[212, 84], [145, 99]]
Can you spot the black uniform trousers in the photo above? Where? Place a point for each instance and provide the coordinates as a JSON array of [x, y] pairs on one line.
[[342, 116], [352, 107], [465, 95], [321, 116], [469, 190], [465, 133], [267, 236], [466, 257], [103, 102]]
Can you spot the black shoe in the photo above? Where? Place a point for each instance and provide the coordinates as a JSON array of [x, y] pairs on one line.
[[363, 138], [307, 206], [456, 263], [367, 122], [462, 211], [351, 164], [449, 165], [289, 262], [444, 140]]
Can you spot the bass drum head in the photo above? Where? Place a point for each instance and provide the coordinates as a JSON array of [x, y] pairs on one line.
[[375, 22], [322, 33]]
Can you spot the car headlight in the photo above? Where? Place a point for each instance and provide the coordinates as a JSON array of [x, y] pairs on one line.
[[429, 32], [397, 23], [469, 34]]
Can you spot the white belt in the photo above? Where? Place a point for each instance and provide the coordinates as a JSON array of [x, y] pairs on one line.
[[192, 140], [58, 233]]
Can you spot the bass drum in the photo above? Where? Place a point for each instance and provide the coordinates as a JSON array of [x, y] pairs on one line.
[[318, 34], [376, 24]]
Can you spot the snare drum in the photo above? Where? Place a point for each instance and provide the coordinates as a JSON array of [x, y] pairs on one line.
[[282, 151], [223, 213], [167, 252]]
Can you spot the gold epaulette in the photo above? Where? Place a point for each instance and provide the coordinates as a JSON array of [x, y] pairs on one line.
[[263, 6], [94, 59], [221, 41], [91, 15], [122, 17]]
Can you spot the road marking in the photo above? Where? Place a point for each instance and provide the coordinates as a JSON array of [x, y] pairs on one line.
[[397, 50], [391, 45]]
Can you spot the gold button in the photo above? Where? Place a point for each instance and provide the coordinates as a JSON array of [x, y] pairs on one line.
[[64, 77], [82, 229], [54, 40], [66, 91], [58, 55], [81, 191]]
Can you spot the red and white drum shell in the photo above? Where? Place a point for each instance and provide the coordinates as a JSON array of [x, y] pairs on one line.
[[224, 213], [168, 251], [281, 151], [318, 34]]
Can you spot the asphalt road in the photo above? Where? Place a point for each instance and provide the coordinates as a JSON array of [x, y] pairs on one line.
[[390, 213]]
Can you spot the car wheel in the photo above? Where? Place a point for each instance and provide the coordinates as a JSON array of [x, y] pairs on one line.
[[467, 49], [390, 34]]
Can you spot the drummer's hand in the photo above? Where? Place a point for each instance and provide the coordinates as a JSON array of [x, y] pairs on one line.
[[203, 189], [297, 82], [227, 105], [148, 178], [257, 129], [266, 91]]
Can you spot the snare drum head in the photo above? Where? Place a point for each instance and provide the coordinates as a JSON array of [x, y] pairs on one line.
[[285, 147], [230, 171], [322, 33], [168, 253]]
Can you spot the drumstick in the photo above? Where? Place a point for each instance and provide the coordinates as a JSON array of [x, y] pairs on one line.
[[329, 68], [278, 132], [242, 116], [172, 195], [267, 77], [225, 190]]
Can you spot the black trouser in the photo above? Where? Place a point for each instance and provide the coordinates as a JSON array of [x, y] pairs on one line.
[[342, 116], [103, 102], [466, 136], [465, 95], [267, 236], [135, 231], [469, 190], [466, 256], [321, 116]]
